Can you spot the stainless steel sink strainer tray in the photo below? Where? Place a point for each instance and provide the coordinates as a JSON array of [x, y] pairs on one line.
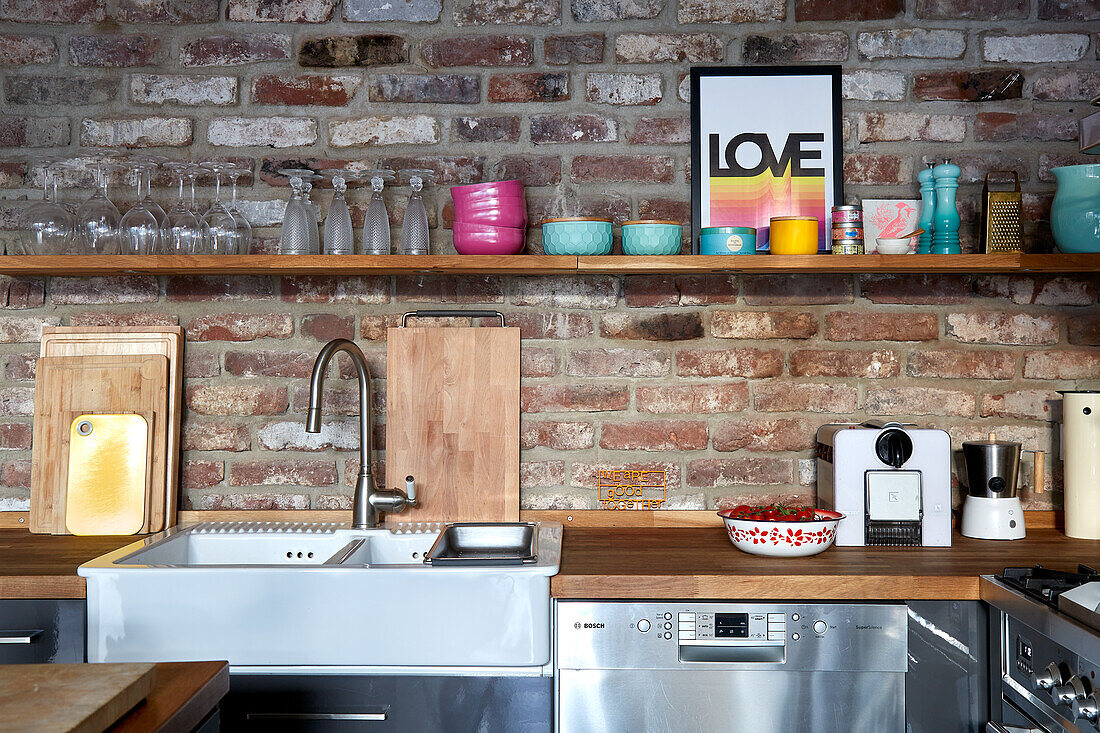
[[485, 543]]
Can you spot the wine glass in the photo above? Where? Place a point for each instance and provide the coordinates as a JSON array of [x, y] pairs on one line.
[[150, 164], [193, 171], [376, 229], [138, 229], [414, 226], [184, 230], [223, 238], [339, 237], [313, 213], [47, 227], [244, 229], [97, 218]]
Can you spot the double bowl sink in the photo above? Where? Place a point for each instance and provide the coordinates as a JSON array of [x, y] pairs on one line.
[[278, 594]]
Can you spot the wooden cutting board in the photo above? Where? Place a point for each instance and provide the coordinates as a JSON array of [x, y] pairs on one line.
[[452, 421], [83, 698], [127, 340], [67, 387]]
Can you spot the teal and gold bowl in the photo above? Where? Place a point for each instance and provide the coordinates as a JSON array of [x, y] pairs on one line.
[[576, 236], [652, 237]]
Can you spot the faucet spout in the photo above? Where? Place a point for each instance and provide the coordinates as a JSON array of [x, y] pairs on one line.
[[364, 513]]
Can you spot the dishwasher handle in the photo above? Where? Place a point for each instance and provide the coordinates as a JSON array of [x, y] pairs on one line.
[[372, 715], [725, 653]]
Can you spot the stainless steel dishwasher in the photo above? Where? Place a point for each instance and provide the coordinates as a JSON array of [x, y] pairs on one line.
[[745, 667]]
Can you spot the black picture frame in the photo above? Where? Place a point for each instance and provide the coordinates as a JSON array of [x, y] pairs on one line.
[[832, 71]]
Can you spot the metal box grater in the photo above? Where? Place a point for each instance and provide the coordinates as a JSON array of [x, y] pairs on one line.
[[1001, 218]]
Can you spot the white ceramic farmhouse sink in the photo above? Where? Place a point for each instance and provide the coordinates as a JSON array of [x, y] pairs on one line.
[[274, 594]]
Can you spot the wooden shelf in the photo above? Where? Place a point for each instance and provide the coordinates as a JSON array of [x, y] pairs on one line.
[[304, 265]]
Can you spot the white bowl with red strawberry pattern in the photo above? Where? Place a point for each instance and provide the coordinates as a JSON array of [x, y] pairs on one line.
[[779, 538]]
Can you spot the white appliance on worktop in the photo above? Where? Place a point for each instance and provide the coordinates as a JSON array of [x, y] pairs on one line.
[[892, 482]]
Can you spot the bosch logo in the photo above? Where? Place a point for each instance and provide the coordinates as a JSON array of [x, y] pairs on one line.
[[577, 625], [593, 626]]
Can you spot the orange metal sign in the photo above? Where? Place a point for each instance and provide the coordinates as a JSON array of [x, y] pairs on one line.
[[631, 489]]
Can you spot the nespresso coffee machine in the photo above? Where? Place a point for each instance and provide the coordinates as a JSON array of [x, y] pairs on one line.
[[892, 482]]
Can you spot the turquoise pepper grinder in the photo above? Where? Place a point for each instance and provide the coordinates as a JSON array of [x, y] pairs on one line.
[[927, 203], [945, 218]]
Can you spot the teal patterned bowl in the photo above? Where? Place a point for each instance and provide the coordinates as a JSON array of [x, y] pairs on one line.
[[576, 236], [652, 237]]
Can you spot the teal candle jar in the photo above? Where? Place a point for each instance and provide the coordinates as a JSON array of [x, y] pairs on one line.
[[576, 236], [1075, 213], [652, 237], [727, 241]]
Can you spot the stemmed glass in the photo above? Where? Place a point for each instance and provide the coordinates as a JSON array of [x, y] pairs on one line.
[[139, 229], [97, 218], [305, 224], [294, 238], [376, 229], [414, 226], [339, 238], [184, 230], [223, 238], [47, 227], [244, 229]]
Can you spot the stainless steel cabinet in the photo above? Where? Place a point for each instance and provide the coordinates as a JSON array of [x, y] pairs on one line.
[[404, 703], [947, 684], [35, 631]]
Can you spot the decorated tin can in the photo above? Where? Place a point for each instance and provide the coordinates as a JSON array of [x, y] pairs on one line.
[[727, 240], [847, 232], [848, 247], [847, 214]]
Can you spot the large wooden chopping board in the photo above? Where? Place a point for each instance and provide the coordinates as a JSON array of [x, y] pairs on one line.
[[83, 698], [67, 387], [127, 340], [452, 421]]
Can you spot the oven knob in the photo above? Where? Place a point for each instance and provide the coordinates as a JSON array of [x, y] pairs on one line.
[[1087, 707], [1049, 678], [643, 625], [1073, 689]]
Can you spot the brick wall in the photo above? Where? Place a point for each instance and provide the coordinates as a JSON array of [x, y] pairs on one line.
[[720, 380]]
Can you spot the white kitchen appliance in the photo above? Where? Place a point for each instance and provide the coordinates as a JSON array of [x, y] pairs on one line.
[[891, 481], [1081, 462], [992, 511]]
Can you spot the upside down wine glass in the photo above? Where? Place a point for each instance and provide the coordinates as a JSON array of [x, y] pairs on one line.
[[47, 227], [223, 238], [184, 229], [339, 238], [376, 228], [138, 229], [97, 218]]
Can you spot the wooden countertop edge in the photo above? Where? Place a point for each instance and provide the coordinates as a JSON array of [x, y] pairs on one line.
[[771, 587], [175, 705], [42, 586]]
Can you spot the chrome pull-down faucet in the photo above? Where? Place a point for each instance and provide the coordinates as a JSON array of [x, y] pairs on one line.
[[369, 501]]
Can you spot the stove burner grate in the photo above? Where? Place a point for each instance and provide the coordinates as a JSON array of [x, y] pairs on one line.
[[1044, 584]]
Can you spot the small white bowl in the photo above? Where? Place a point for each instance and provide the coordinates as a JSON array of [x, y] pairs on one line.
[[783, 539], [893, 246]]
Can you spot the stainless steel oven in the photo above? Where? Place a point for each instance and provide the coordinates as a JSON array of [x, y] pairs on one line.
[[711, 666], [1045, 665]]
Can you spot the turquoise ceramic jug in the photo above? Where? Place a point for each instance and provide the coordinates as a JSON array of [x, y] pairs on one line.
[[1075, 214]]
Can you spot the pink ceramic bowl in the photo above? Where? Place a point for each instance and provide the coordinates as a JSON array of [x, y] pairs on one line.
[[505, 212], [492, 189], [485, 239], [776, 538]]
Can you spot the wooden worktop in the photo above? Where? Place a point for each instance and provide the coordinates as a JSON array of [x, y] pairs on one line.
[[700, 562], [658, 562], [44, 566]]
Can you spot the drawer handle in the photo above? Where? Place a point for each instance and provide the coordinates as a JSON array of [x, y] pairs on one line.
[[374, 714], [21, 636]]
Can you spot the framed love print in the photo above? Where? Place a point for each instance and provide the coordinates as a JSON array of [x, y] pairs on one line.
[[765, 141]]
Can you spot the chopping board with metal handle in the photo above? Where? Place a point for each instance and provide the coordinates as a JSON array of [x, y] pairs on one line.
[[134, 340], [67, 387], [452, 418], [107, 489]]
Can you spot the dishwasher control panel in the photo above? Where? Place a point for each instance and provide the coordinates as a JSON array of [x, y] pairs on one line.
[[623, 634]]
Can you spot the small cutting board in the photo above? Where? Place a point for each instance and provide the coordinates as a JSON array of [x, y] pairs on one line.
[[452, 421], [83, 698], [67, 387]]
